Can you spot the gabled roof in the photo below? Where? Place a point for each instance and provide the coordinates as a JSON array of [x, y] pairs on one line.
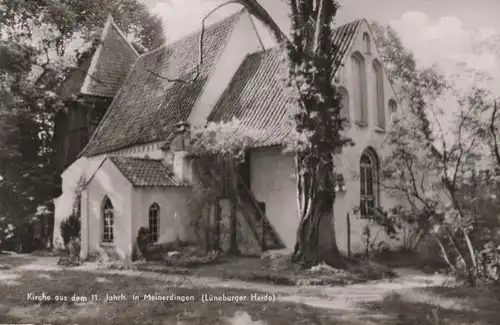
[[102, 70], [256, 97], [147, 107], [143, 172], [111, 62]]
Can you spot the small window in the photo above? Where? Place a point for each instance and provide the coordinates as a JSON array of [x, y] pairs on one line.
[[108, 220], [366, 43], [262, 207], [393, 106], [154, 213]]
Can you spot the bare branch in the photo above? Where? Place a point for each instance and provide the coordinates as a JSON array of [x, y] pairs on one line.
[[200, 49], [254, 8]]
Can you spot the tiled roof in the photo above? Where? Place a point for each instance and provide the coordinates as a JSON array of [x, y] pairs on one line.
[[147, 107], [256, 97], [104, 67], [111, 63], [142, 172]]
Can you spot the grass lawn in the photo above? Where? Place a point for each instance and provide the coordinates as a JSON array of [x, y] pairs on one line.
[[274, 271], [441, 306], [423, 306], [16, 306]]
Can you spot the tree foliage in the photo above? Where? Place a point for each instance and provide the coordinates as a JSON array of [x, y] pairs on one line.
[[66, 20], [40, 41], [217, 150], [436, 168]]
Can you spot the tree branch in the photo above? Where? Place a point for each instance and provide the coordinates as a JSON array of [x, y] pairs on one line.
[[254, 8]]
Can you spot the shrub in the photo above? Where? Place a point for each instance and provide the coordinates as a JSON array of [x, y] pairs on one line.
[[143, 241], [70, 229], [70, 232]]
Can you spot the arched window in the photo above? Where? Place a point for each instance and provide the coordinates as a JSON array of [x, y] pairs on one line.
[[359, 88], [393, 106], [154, 214], [366, 43], [108, 219], [378, 74], [369, 187], [344, 112]]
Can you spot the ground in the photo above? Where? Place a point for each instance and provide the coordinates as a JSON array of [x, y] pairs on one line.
[[413, 298]]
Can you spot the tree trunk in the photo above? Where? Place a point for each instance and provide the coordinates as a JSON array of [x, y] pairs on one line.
[[316, 240]]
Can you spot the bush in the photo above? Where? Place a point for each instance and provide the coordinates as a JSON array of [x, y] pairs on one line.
[[143, 242], [70, 229]]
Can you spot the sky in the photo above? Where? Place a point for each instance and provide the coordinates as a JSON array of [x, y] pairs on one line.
[[439, 32], [460, 38]]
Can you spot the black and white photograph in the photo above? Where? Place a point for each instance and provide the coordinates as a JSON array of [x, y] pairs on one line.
[[250, 162]]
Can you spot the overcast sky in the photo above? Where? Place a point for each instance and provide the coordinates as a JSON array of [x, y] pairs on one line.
[[440, 33], [437, 31]]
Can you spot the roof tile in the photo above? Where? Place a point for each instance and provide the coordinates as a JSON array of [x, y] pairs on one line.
[[143, 172], [256, 97], [113, 64], [147, 107]]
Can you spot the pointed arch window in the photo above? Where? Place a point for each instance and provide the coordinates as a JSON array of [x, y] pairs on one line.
[[108, 221], [154, 214], [359, 89], [369, 186], [366, 43], [379, 93]]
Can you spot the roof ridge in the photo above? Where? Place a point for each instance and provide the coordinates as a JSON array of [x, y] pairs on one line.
[[134, 158], [96, 56], [352, 22], [277, 47], [142, 172], [194, 33]]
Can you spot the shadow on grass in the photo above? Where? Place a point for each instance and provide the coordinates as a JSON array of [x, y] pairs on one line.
[[17, 304], [441, 306], [279, 271], [16, 260]]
